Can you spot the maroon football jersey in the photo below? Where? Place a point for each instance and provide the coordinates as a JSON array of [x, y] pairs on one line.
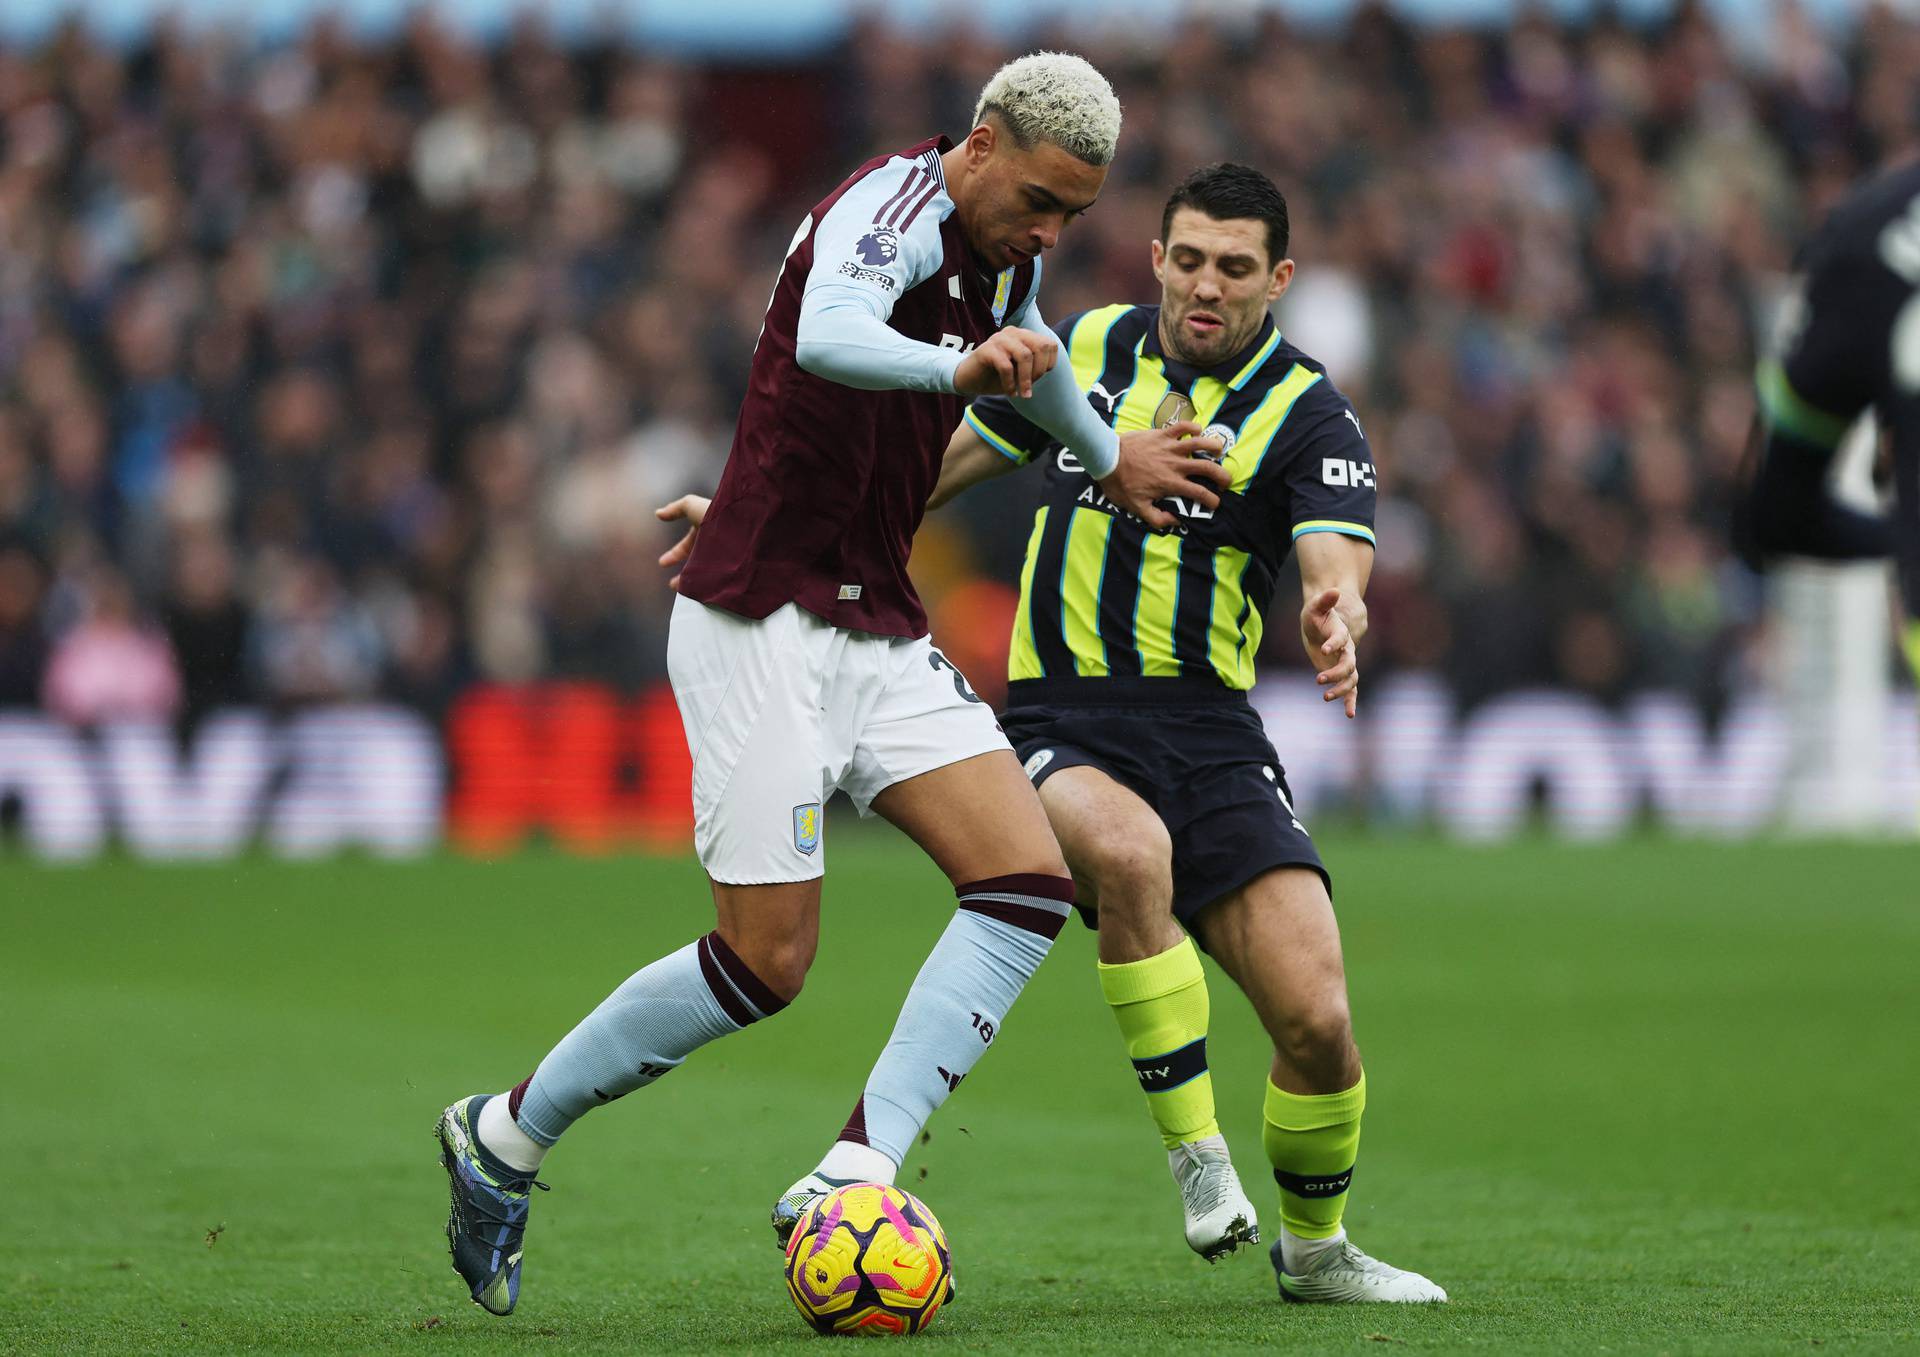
[[826, 484]]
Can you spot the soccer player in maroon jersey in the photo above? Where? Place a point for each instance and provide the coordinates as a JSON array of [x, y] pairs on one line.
[[799, 652]]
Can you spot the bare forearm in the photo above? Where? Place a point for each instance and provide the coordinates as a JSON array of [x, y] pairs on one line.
[[969, 460], [1342, 564], [1333, 577]]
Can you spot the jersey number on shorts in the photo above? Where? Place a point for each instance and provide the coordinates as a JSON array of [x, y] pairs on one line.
[[939, 661]]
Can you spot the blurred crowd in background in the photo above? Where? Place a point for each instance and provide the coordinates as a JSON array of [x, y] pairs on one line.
[[346, 371]]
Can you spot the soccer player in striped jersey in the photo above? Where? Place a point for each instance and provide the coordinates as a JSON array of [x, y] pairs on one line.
[[1132, 654]]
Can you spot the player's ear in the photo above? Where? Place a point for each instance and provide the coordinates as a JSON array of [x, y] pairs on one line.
[[1281, 281], [1160, 261], [980, 143]]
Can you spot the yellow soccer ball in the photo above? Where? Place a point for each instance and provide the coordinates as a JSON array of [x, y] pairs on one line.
[[869, 1259]]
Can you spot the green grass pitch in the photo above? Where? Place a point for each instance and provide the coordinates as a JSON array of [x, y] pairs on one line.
[[1651, 1097]]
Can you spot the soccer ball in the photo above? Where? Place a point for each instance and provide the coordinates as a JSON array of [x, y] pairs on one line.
[[869, 1259]]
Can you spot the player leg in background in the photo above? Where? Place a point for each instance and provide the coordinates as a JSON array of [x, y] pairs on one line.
[[1122, 860], [980, 822], [1277, 937]]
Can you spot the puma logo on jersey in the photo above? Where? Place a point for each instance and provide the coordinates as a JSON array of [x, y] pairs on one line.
[[1356, 422]]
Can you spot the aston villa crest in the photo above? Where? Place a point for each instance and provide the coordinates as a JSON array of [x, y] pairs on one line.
[[806, 827], [1002, 294]]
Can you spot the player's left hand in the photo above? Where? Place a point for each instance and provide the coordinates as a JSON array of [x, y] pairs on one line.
[[1007, 363], [1330, 644], [1173, 461], [692, 508]]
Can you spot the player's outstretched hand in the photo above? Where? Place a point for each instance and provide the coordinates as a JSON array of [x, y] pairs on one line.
[[1331, 649], [1008, 364], [692, 508], [1169, 461]]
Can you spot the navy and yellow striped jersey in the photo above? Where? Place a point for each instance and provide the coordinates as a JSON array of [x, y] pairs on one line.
[[1101, 594]]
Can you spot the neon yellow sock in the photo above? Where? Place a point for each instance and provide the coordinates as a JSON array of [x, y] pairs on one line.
[[1161, 1005], [1311, 1142]]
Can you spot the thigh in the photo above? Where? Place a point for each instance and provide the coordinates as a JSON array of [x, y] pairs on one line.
[[915, 713], [1103, 827], [1121, 858], [1276, 936], [977, 819], [747, 691]]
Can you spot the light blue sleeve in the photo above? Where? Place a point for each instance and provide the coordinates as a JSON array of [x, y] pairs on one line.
[[863, 262], [1059, 406]]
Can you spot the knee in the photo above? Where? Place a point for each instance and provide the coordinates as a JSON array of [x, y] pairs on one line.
[[1318, 1042], [780, 963], [1135, 879]]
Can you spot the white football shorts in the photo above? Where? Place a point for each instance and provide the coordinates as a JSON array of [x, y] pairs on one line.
[[782, 712]]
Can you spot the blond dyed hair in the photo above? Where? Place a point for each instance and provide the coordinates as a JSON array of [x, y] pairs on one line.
[[1056, 97]]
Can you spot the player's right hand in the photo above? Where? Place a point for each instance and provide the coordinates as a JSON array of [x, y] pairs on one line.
[[692, 508], [1007, 364], [1156, 464]]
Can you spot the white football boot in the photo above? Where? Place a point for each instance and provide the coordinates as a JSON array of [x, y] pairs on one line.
[[1342, 1275], [1219, 1217]]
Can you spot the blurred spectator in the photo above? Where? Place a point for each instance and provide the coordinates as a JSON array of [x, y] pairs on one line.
[[112, 665], [23, 646], [426, 666], [206, 623], [312, 641], [369, 359]]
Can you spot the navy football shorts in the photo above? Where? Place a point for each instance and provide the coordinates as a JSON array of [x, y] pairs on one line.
[[1205, 766]]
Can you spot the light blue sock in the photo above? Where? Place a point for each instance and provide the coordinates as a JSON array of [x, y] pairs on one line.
[[997, 940], [641, 1031]]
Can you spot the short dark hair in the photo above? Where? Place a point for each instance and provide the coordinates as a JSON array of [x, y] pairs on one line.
[[1229, 192]]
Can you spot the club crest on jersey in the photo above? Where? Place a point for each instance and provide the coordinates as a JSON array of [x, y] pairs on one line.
[[806, 827], [878, 247], [1002, 294]]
